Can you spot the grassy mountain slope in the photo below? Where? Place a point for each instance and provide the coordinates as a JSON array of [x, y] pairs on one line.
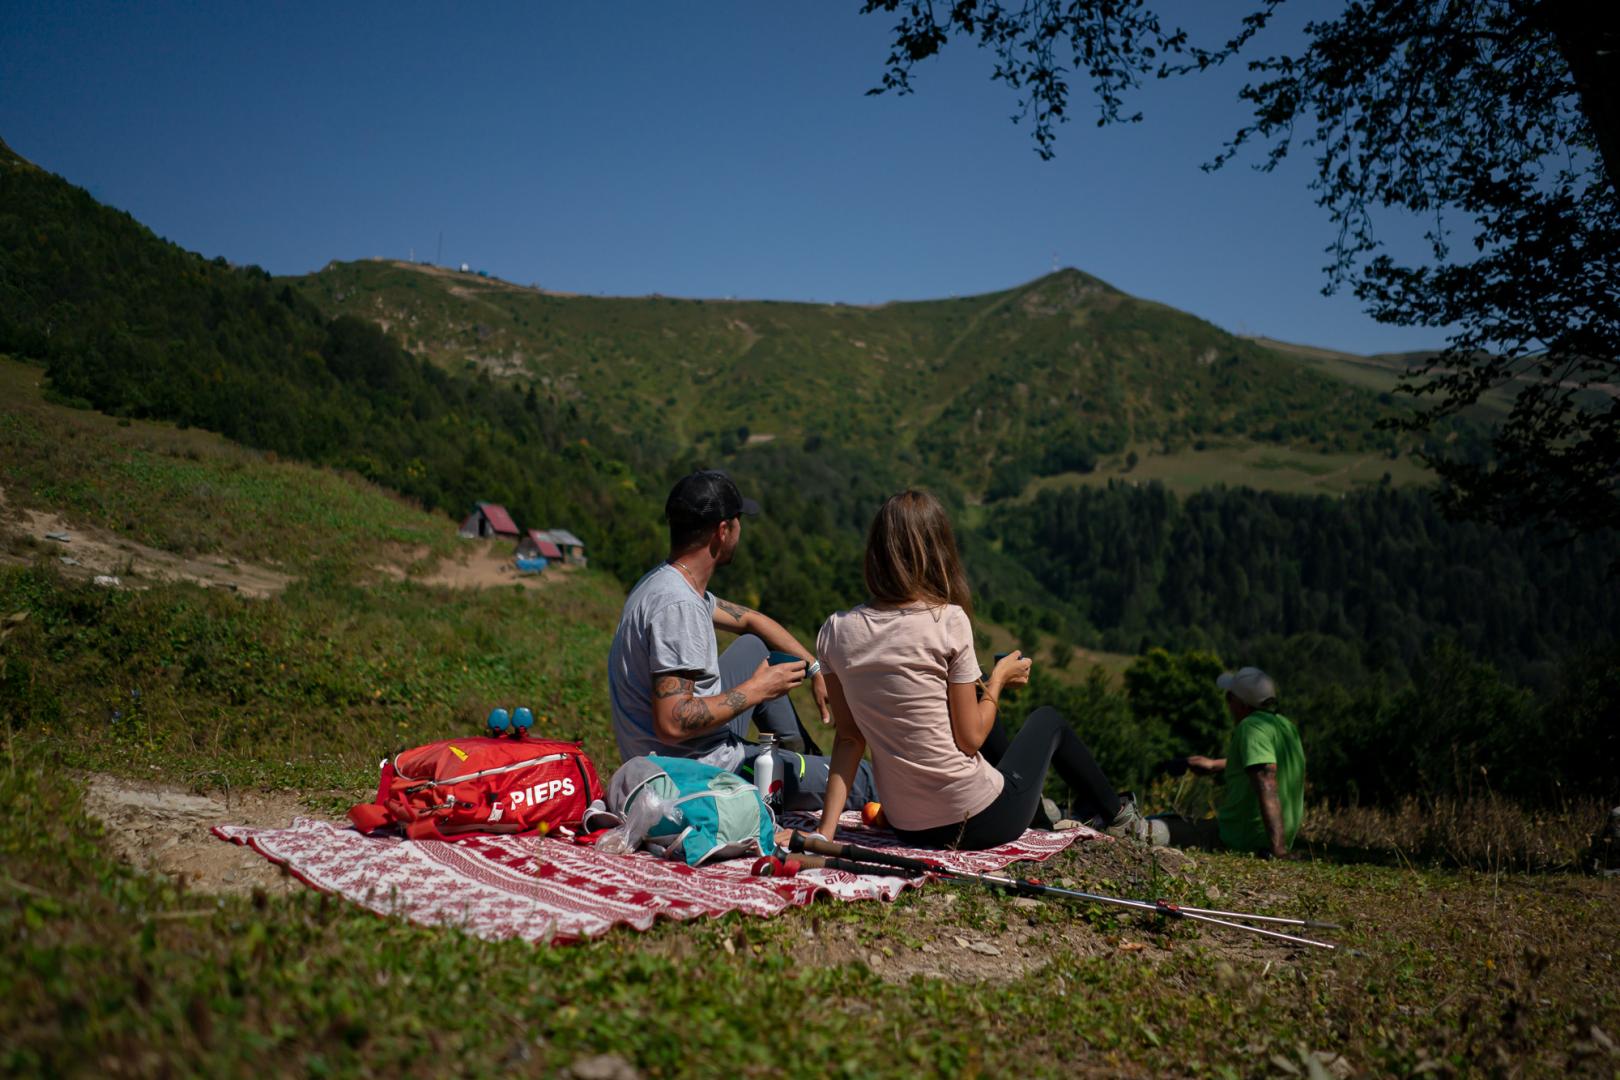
[[189, 491], [985, 390], [126, 972], [306, 689], [132, 325], [196, 690]]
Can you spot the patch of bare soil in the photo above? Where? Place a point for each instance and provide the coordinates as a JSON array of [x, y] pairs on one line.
[[165, 830], [477, 564], [932, 939], [98, 555], [968, 933]]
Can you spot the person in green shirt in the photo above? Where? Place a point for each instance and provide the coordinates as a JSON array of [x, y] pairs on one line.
[[1264, 768], [1263, 799]]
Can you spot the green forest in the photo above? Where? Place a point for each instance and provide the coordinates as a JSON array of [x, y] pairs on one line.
[[1235, 571]]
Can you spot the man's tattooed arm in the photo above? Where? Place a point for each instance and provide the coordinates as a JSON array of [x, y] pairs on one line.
[[736, 619], [693, 716], [680, 715], [672, 686], [730, 616], [1264, 780]]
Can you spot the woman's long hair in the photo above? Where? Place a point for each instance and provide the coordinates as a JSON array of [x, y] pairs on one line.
[[911, 554]]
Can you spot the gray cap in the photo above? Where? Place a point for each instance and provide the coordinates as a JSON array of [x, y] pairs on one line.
[[1249, 685]]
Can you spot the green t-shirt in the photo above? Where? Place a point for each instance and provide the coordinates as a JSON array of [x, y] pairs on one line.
[[1263, 738]]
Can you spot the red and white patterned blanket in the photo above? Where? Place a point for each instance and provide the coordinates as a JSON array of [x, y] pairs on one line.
[[551, 890]]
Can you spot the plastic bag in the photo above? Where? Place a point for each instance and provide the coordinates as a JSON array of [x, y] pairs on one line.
[[645, 811]]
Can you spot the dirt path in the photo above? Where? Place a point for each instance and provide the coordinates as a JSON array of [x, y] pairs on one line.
[[165, 830], [476, 564], [91, 554]]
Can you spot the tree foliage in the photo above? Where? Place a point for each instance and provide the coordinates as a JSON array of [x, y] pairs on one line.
[[1260, 576], [1497, 120]]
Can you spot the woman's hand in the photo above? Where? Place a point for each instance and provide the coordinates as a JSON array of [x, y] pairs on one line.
[[1011, 671]]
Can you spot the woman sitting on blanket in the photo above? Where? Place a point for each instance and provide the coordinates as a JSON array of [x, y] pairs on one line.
[[902, 679]]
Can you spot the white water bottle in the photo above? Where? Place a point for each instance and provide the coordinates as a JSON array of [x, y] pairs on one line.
[[765, 769]]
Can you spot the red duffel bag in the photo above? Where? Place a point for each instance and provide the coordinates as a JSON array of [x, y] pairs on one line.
[[483, 784]]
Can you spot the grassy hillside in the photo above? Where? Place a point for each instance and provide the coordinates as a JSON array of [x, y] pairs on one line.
[[122, 972], [1265, 468], [190, 491], [131, 325], [985, 390], [205, 683]]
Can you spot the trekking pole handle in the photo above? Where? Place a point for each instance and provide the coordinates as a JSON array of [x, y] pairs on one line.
[[815, 842]]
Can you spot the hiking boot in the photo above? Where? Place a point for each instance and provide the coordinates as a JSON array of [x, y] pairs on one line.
[[1129, 822], [1050, 808]]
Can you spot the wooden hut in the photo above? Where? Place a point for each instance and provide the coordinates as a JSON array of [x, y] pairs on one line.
[[486, 520]]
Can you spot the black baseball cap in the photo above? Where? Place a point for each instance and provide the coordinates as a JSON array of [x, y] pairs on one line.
[[705, 497]]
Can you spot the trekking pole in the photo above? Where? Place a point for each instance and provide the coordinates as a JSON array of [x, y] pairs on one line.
[[816, 843], [1308, 924], [1158, 907], [773, 866]]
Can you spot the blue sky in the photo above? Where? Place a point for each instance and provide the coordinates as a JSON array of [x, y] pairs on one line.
[[698, 149]]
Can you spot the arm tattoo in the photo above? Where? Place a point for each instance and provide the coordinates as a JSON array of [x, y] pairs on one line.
[[1265, 777], [736, 611], [692, 715], [1265, 785], [672, 686]]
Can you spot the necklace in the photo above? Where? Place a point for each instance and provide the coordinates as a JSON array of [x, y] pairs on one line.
[[685, 570]]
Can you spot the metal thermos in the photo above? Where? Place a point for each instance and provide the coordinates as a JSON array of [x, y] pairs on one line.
[[765, 769]]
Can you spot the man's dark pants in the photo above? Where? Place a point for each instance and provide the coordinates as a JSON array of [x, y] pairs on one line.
[[804, 775]]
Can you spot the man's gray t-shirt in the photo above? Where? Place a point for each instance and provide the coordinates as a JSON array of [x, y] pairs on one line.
[[666, 627]]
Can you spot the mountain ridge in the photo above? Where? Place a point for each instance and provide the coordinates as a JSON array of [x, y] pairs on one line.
[[1040, 378]]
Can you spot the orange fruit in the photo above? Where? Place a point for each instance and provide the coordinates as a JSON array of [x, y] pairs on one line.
[[872, 814]]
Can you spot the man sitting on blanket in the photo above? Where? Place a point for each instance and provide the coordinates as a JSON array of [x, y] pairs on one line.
[[674, 693]]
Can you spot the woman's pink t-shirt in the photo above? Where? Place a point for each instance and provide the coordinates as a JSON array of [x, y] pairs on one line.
[[893, 664]]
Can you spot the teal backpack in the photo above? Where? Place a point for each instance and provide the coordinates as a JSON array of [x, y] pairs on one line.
[[685, 809]]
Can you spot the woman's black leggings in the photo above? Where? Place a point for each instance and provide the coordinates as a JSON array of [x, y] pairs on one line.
[[1045, 740]]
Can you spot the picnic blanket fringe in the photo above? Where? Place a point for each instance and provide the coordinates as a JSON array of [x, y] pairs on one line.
[[552, 890]]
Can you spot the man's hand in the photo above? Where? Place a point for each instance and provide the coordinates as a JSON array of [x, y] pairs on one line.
[[818, 688], [1204, 766], [774, 680]]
